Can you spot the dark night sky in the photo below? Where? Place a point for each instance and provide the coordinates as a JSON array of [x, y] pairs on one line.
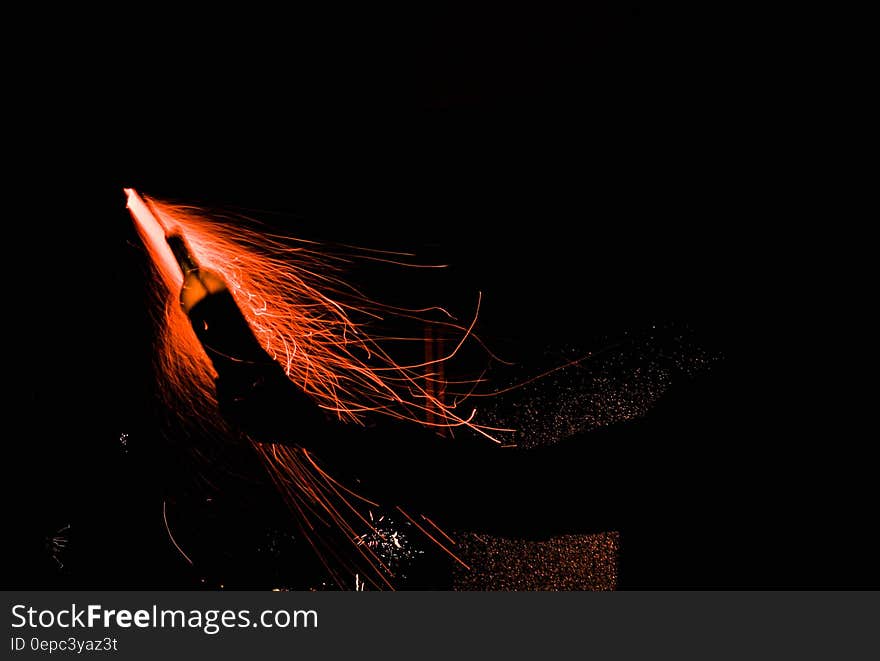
[[619, 137]]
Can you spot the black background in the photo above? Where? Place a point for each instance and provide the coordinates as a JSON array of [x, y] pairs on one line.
[[589, 170]]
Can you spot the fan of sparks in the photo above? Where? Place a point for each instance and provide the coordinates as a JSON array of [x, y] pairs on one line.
[[318, 327]]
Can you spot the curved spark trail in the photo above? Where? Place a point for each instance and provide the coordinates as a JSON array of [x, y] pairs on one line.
[[170, 536], [319, 329]]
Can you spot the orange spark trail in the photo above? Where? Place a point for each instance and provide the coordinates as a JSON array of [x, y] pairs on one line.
[[170, 536], [432, 538]]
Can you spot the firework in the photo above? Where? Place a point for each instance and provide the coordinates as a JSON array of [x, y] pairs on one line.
[[231, 298]]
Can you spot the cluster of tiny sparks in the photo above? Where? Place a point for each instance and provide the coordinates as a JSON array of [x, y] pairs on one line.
[[567, 562], [391, 541], [617, 384]]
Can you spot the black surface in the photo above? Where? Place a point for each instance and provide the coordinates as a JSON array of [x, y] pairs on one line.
[[590, 171]]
